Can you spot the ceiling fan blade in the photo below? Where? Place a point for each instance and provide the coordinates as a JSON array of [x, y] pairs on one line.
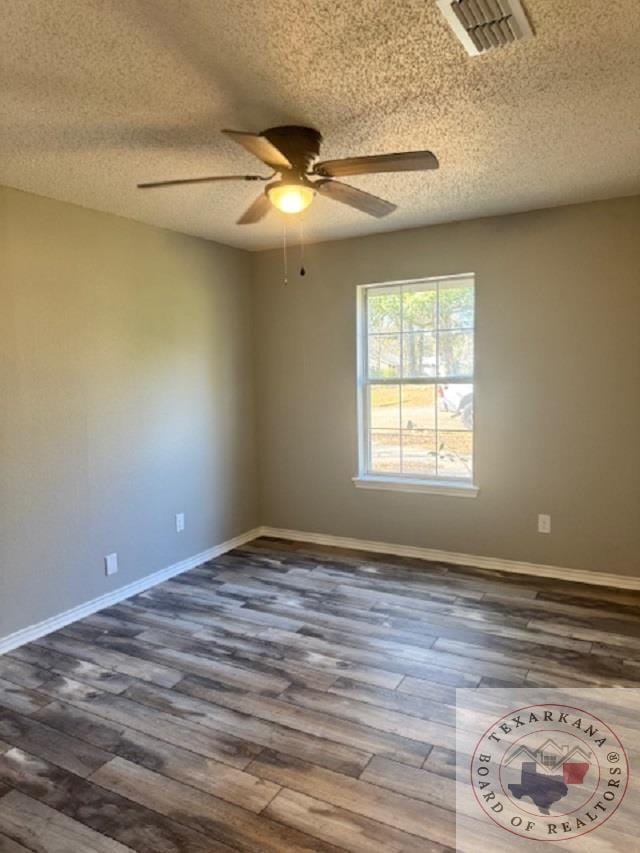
[[359, 199], [256, 211], [172, 183], [260, 147], [406, 161]]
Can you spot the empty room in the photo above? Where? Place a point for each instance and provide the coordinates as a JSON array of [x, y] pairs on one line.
[[319, 426]]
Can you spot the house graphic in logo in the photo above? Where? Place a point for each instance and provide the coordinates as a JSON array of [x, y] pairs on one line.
[[547, 770]]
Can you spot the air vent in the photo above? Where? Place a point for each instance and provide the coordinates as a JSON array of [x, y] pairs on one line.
[[482, 25]]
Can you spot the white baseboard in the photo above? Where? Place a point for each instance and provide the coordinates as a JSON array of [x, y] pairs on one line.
[[496, 563], [54, 623]]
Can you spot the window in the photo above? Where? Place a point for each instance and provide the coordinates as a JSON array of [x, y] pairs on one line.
[[415, 385]]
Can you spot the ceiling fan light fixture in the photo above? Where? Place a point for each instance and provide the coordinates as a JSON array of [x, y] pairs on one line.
[[289, 196]]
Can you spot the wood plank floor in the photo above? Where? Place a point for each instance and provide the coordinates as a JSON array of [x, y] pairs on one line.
[[283, 697]]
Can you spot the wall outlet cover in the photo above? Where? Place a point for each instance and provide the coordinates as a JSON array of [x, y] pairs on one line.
[[544, 524], [179, 522], [110, 564]]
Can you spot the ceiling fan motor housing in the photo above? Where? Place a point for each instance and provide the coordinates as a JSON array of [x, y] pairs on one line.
[[300, 145]]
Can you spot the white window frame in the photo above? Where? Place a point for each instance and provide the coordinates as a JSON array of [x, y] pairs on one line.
[[457, 487]]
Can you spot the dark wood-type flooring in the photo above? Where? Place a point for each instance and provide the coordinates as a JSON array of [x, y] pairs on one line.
[[283, 697]]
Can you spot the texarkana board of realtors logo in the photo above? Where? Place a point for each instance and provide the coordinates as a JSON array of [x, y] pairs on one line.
[[549, 772]]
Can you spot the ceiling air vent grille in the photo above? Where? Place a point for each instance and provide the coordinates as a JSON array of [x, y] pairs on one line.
[[482, 25]]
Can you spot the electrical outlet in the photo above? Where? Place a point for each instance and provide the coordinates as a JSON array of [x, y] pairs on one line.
[[544, 524], [111, 564], [179, 522]]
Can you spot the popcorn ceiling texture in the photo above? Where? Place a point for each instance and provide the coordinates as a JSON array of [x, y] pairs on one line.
[[98, 95]]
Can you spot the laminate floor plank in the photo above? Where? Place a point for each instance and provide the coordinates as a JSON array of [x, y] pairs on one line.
[[373, 660], [371, 568], [191, 662], [213, 817], [333, 605], [218, 612], [45, 829], [561, 631], [51, 661], [358, 561], [21, 673], [326, 742], [258, 587], [288, 697], [479, 616], [303, 581], [404, 813], [384, 719], [24, 700], [268, 648], [609, 671], [183, 765], [623, 600], [359, 736], [118, 621], [408, 646], [115, 817], [266, 658], [225, 645], [437, 707], [441, 760], [176, 728], [420, 631], [324, 613], [208, 610], [400, 582], [122, 663], [411, 781], [8, 845], [59, 748], [441, 587], [429, 664], [334, 824], [606, 618]]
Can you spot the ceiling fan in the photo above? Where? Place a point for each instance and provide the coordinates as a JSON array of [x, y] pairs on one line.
[[291, 151]]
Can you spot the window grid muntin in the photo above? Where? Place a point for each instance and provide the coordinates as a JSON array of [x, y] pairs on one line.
[[366, 381]]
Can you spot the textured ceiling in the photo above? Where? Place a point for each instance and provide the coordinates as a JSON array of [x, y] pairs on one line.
[[97, 95]]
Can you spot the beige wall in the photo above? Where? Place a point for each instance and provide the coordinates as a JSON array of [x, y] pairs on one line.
[[127, 360], [126, 396], [558, 387]]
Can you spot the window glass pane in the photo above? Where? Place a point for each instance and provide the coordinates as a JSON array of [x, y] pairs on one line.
[[384, 356], [419, 452], [455, 454], [455, 305], [383, 309], [385, 451], [418, 407], [455, 354], [419, 354], [419, 309], [417, 425], [455, 406], [384, 406]]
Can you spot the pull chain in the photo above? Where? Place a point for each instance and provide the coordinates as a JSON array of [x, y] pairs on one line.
[[285, 259], [302, 269], [284, 251]]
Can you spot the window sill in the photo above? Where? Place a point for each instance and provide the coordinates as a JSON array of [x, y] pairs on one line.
[[450, 488]]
